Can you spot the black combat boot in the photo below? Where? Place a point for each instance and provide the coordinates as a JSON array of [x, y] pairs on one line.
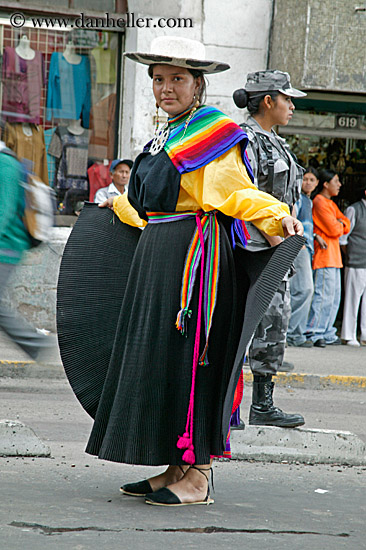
[[262, 410]]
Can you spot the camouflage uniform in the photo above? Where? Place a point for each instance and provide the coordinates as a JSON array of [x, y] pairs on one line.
[[276, 172], [268, 346]]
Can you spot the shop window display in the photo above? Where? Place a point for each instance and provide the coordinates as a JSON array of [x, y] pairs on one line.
[[58, 100], [346, 156]]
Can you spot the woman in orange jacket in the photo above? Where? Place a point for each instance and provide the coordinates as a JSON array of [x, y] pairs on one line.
[[329, 225]]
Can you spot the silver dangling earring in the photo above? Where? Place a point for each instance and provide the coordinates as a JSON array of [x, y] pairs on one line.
[[196, 104], [156, 119]]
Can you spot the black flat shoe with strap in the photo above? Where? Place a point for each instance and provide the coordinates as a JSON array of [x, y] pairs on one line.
[[140, 488], [166, 497]]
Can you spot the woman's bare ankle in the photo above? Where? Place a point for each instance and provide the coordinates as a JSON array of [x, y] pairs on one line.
[[171, 475]]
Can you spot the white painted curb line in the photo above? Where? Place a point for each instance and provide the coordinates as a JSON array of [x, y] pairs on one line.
[[16, 439], [267, 443]]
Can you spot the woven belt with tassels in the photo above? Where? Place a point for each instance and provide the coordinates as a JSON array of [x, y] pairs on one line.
[[207, 231]]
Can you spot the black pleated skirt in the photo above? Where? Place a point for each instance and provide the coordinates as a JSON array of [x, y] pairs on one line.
[[144, 403], [118, 298]]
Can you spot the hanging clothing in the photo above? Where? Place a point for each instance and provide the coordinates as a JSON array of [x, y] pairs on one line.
[[72, 153], [103, 128], [31, 147], [22, 81], [105, 61], [68, 94], [99, 176], [51, 161]]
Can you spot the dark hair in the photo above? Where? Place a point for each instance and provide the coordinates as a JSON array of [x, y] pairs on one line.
[[202, 92], [244, 99], [312, 170], [325, 176]]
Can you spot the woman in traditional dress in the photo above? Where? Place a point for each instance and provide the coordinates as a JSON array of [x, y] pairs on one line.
[[168, 393]]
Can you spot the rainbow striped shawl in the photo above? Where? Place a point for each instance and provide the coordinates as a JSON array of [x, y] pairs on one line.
[[209, 135]]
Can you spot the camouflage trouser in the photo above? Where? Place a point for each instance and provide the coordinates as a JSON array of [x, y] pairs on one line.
[[268, 346]]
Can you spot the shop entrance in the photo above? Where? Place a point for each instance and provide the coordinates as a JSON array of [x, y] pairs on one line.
[[59, 97]]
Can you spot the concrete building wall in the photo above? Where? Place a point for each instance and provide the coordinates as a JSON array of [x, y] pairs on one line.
[[321, 43], [32, 289]]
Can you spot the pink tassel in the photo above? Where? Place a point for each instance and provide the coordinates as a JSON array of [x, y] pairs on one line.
[[184, 441], [189, 456]]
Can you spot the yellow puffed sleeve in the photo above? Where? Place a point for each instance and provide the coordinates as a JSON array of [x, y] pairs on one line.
[[126, 212], [224, 185]]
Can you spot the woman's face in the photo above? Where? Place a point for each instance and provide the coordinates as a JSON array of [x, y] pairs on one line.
[[309, 182], [333, 186], [174, 88], [282, 110]]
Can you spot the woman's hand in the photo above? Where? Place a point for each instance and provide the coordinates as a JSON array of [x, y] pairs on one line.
[[321, 242], [108, 203], [291, 226]]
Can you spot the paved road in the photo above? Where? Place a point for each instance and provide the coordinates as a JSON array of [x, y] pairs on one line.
[[71, 502]]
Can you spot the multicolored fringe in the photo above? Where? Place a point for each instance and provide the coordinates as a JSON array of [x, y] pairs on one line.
[[211, 234], [235, 412], [207, 230], [209, 134]]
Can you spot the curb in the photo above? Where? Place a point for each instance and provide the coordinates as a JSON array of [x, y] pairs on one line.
[[16, 439], [315, 381], [305, 445], [30, 369]]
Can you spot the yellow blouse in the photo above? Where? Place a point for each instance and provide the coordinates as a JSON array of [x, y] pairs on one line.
[[222, 185]]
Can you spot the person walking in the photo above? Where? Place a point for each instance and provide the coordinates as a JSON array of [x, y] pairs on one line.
[[14, 242], [268, 98], [329, 224], [353, 244]]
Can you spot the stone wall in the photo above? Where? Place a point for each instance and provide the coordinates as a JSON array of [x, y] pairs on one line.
[[32, 289], [321, 43]]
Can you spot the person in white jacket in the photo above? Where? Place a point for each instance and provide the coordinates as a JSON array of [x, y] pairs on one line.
[[353, 244]]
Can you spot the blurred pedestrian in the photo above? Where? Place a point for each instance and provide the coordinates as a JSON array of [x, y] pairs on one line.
[[268, 98], [353, 245], [14, 241], [120, 172], [329, 224]]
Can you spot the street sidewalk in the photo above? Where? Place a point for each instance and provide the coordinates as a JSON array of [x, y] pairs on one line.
[[333, 367]]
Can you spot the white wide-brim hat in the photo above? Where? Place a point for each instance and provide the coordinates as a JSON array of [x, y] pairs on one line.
[[181, 52]]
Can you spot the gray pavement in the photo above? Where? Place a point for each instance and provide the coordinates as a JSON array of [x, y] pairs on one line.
[[71, 501]]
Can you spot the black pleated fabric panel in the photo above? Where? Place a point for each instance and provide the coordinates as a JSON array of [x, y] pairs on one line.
[[264, 271], [92, 281]]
